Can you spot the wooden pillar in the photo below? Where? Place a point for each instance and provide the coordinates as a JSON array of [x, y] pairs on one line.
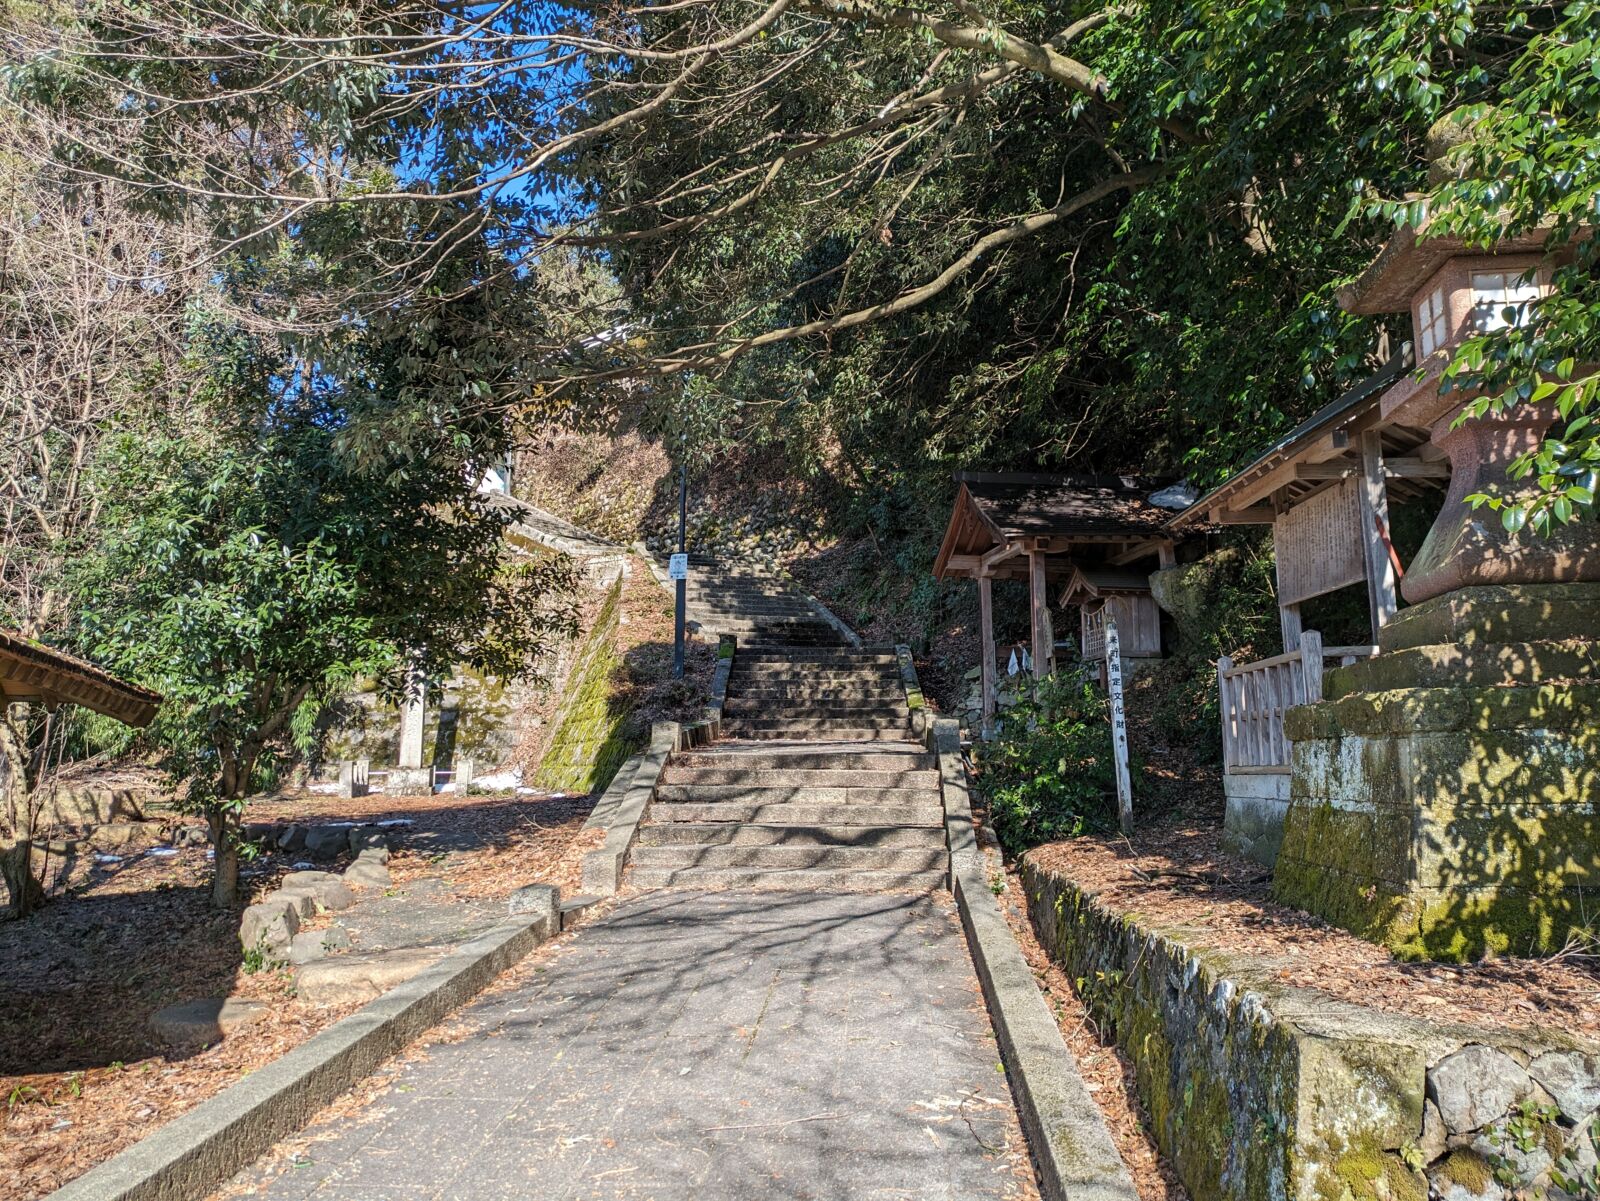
[[1167, 554], [986, 649], [1374, 499], [1289, 622], [1039, 614]]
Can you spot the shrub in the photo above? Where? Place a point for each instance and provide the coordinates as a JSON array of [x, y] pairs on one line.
[[1051, 774]]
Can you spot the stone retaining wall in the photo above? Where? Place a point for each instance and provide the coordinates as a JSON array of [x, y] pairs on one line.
[[588, 742], [1257, 1091]]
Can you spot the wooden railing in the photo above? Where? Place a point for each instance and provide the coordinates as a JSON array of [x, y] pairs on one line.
[[1255, 696]]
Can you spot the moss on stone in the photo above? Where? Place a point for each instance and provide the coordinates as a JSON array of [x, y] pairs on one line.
[[1467, 1168], [590, 740]]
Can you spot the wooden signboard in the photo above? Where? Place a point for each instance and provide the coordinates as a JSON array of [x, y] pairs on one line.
[[1119, 728], [1319, 545]]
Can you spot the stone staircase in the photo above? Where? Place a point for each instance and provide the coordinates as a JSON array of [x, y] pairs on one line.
[[758, 608], [816, 784]]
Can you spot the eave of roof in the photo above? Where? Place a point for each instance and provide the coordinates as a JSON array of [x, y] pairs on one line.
[[1413, 254], [31, 671], [1364, 395]]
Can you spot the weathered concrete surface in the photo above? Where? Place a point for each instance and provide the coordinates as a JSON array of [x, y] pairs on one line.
[[193, 1153], [706, 1046]]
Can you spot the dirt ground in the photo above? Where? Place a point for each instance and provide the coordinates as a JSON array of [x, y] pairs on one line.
[[81, 1073], [1179, 875]]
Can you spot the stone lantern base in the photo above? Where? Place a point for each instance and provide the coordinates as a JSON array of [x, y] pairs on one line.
[[1445, 796]]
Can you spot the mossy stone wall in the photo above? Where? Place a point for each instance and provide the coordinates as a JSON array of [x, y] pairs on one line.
[[590, 739], [1447, 823], [1259, 1092]]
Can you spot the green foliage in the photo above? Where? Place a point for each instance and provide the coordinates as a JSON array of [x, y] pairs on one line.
[[250, 568], [1051, 773], [1223, 604]]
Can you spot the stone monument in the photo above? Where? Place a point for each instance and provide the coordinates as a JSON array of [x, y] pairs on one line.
[[1443, 797]]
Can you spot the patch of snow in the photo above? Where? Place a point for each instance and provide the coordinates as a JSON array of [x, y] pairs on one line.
[[324, 789], [162, 852], [301, 866], [395, 821], [499, 781], [102, 858]]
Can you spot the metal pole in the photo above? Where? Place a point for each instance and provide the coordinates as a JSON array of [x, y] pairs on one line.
[[683, 585]]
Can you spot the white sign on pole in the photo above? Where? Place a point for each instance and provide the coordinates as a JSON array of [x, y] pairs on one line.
[[1119, 727], [678, 567]]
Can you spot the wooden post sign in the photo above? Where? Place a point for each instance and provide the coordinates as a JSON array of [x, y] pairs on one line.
[[1119, 727]]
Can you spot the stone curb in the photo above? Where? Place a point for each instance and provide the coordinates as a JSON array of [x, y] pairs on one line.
[[187, 1158], [1071, 1146], [913, 688], [827, 614], [602, 869]]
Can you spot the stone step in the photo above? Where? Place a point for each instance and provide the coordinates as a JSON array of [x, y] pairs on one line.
[[816, 692], [789, 777], [808, 655], [789, 676], [806, 879], [797, 794], [729, 834], [911, 758], [760, 706], [781, 858], [832, 734], [818, 724], [797, 813]]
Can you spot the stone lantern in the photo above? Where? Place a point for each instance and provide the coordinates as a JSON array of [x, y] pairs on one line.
[[1452, 292], [1445, 793]]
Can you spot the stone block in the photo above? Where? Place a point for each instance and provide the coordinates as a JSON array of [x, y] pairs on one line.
[[326, 889], [356, 978], [542, 901], [202, 1022], [270, 923], [292, 838], [409, 781], [1476, 1087], [1450, 821], [367, 873], [1497, 613], [369, 838], [327, 842], [1252, 825], [1572, 1078]]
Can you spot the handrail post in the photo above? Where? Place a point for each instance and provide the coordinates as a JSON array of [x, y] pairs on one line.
[[1311, 665], [1223, 664]]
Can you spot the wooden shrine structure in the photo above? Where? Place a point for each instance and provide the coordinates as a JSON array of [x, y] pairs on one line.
[[1325, 489], [1043, 529], [38, 674]]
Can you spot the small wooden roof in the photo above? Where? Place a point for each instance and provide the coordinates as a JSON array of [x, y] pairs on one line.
[[1319, 452], [32, 672], [997, 516], [1096, 583]]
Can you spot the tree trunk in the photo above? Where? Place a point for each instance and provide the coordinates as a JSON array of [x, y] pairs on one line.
[[224, 825], [23, 891]]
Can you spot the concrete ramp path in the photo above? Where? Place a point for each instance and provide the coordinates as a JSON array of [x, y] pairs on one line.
[[703, 1046]]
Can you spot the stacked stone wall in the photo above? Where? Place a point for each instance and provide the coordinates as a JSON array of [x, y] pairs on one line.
[[1258, 1091]]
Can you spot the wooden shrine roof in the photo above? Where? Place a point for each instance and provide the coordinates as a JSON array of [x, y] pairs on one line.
[[1094, 583], [1316, 453], [30, 671], [1003, 513]]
